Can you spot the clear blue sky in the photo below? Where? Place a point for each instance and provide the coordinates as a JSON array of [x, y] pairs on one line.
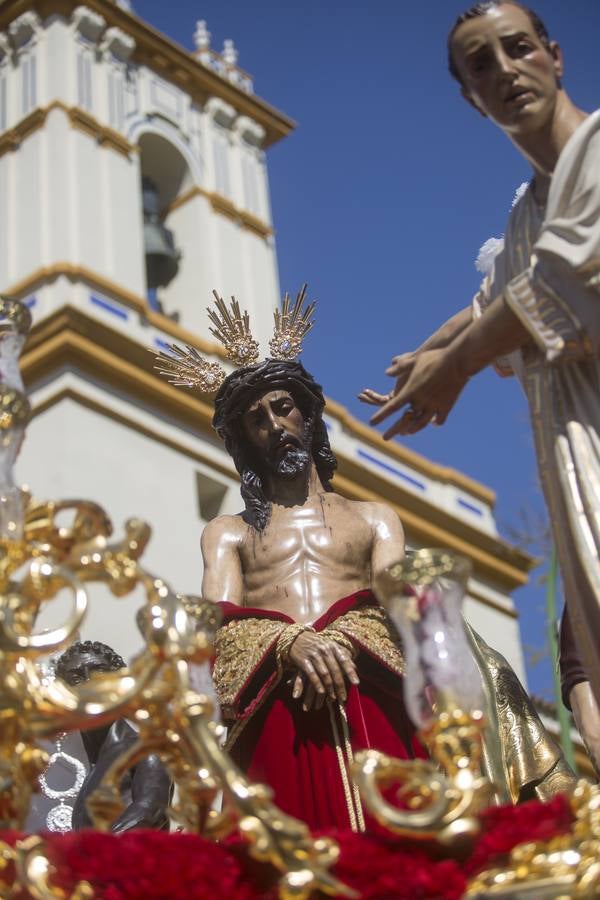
[[383, 196]]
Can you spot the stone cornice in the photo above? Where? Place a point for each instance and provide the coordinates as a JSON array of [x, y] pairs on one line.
[[225, 207], [79, 119], [437, 472], [169, 59], [48, 274]]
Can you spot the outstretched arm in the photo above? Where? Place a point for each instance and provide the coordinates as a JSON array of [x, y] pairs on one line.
[[220, 543], [401, 366], [439, 376], [552, 303]]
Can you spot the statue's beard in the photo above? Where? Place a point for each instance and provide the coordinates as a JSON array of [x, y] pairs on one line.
[[292, 463], [289, 457]]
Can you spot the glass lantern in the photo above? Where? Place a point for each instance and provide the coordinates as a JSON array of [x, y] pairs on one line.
[[423, 595], [15, 321]]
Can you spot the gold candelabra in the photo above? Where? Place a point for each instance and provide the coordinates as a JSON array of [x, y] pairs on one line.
[[39, 558]]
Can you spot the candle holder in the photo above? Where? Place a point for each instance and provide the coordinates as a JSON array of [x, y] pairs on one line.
[[444, 696]]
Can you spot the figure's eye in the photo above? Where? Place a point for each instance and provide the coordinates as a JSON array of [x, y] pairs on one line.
[[521, 48], [478, 64], [283, 407]]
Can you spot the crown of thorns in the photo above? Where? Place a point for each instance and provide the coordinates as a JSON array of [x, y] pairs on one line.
[[188, 368]]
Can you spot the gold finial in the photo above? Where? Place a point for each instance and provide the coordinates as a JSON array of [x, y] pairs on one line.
[[291, 326], [232, 329], [188, 368]]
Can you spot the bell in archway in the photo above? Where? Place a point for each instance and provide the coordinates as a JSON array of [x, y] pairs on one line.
[[162, 257]]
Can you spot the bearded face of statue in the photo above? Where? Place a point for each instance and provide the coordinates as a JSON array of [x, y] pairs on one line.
[[276, 431]]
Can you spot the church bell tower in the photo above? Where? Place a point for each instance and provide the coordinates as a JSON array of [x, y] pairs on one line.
[[133, 181]]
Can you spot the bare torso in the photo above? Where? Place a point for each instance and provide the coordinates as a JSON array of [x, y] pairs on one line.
[[307, 557]]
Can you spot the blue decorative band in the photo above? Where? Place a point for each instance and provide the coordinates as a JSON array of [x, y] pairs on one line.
[[469, 506], [392, 469], [109, 307]]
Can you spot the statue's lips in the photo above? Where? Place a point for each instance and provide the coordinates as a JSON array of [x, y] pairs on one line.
[[520, 97], [287, 444]]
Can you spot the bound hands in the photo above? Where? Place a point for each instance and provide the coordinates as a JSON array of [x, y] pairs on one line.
[[429, 381], [323, 667]]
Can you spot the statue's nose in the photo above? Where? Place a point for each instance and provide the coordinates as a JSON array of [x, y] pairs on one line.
[[274, 423]]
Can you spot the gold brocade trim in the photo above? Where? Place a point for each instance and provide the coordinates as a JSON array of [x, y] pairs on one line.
[[371, 628], [240, 646], [520, 757], [342, 640], [234, 731]]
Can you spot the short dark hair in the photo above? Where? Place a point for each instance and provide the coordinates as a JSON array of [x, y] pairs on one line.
[[480, 9], [237, 393], [113, 661]]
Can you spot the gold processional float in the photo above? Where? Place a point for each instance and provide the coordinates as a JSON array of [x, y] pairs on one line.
[[439, 800]]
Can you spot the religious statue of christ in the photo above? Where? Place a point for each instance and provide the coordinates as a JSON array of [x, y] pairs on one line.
[[309, 669]]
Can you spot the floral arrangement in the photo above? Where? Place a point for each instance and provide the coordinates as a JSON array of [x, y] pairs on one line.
[[152, 865]]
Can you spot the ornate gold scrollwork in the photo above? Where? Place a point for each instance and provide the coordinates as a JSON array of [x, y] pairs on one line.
[[155, 692], [438, 799], [33, 872], [567, 866]]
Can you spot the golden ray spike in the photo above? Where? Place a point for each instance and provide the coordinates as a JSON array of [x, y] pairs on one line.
[[232, 329], [187, 368], [281, 317], [291, 326], [298, 305]]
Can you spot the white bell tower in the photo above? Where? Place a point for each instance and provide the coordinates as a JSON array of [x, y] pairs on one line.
[[133, 181], [93, 100]]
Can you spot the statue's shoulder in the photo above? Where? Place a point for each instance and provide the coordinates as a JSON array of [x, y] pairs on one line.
[[224, 529], [381, 518], [372, 510]]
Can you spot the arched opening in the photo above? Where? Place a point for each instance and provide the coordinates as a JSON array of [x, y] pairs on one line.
[[165, 166], [165, 176]]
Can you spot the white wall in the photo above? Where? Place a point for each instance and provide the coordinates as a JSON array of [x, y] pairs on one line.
[[74, 452]]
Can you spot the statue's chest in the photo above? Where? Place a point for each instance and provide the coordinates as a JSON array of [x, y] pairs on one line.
[[310, 534]]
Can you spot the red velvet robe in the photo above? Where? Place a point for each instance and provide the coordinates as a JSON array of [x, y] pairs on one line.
[[295, 751]]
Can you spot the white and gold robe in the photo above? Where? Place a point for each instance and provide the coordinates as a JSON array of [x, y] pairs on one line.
[[549, 274]]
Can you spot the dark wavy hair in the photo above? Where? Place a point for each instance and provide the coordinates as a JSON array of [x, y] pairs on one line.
[[113, 661], [480, 9], [236, 394]]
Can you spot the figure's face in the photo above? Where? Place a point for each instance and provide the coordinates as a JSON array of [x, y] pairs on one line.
[[82, 666], [508, 74], [275, 429]]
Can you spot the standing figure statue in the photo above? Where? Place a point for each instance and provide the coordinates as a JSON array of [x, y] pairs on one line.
[[537, 314]]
